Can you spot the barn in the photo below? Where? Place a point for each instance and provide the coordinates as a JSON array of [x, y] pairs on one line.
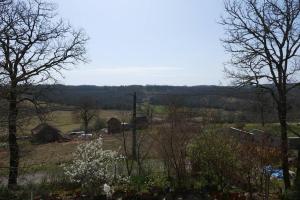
[[44, 133], [114, 125]]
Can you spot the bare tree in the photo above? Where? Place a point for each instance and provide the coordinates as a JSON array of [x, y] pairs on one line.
[[35, 45], [173, 139], [263, 37], [85, 112]]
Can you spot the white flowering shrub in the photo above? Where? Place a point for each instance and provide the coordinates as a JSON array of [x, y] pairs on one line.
[[92, 166]]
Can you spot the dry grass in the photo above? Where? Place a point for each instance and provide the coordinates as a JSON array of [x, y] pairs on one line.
[[54, 154], [49, 156]]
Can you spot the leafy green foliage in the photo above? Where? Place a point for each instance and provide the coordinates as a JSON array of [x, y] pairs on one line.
[[213, 159]]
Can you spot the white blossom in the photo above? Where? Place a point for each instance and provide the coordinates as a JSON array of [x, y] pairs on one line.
[[92, 165], [108, 190]]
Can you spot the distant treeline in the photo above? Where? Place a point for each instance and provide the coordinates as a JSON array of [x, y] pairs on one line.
[[120, 97]]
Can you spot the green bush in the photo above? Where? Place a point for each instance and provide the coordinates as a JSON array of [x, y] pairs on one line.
[[158, 181], [212, 159], [139, 183], [291, 195]]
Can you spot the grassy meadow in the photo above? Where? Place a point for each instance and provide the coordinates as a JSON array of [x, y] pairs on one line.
[[54, 154], [45, 157]]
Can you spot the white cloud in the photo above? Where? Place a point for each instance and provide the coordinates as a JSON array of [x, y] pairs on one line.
[[129, 75]]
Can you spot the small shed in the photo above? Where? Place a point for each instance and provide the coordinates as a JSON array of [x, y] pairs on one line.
[[44, 133], [113, 125]]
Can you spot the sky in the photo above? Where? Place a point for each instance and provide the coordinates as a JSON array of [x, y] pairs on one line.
[[147, 42]]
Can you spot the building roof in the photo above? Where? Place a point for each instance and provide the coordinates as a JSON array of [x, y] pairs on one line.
[[113, 119], [45, 133]]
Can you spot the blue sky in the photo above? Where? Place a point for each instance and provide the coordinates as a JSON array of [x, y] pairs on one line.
[[169, 42]]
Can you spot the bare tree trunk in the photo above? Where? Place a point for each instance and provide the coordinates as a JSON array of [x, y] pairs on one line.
[[13, 145], [86, 126], [282, 112], [268, 188], [262, 115], [297, 180], [134, 137]]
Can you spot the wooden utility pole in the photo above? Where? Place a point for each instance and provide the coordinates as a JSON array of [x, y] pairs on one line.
[[134, 140]]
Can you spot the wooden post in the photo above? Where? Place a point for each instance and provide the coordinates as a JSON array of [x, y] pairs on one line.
[[134, 139]]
